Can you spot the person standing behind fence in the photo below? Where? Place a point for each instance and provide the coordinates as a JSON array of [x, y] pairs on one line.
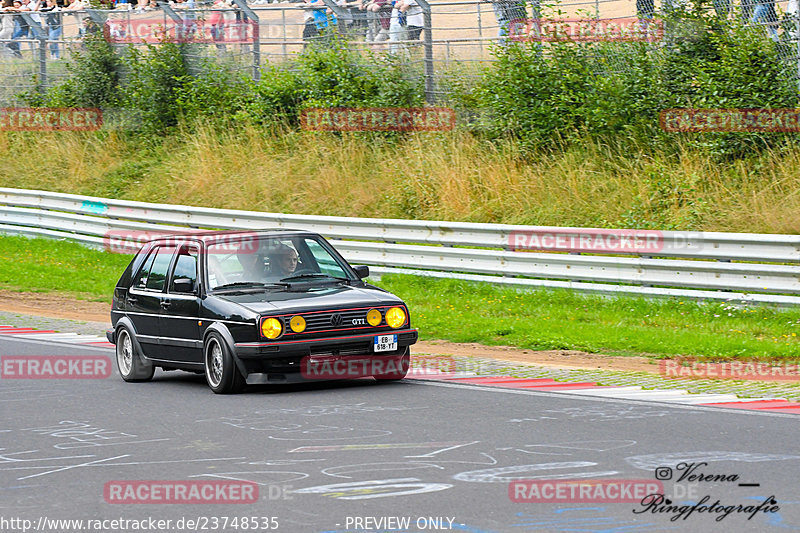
[[415, 19], [55, 26], [511, 17], [7, 26], [381, 12], [397, 27], [764, 13]]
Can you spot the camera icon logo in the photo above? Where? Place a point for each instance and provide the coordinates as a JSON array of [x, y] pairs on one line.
[[663, 473]]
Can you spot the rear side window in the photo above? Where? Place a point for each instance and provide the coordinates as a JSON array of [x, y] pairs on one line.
[[158, 272], [141, 277], [185, 266]]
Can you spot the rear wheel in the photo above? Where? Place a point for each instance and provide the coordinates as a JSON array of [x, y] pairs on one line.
[[132, 367], [400, 370], [221, 373]]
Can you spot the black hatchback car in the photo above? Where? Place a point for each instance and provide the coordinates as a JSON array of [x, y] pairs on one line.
[[255, 307]]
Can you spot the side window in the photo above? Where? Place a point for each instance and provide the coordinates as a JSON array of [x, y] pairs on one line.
[[327, 264], [158, 272], [141, 277], [185, 266]]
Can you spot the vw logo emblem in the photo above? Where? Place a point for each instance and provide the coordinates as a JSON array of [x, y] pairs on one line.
[[336, 319]]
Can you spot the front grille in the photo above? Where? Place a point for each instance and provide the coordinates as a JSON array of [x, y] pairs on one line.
[[322, 321]]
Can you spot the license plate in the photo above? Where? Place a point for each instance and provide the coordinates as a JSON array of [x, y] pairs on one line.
[[385, 343]]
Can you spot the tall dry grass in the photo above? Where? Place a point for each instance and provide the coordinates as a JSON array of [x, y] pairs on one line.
[[455, 176]]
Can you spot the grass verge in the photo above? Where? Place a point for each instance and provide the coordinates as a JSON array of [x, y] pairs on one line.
[[462, 311], [434, 176]]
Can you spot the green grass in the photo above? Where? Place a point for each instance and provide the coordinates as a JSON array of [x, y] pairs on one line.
[[42, 265], [462, 311], [478, 312]]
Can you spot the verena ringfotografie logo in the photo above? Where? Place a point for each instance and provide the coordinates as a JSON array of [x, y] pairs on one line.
[[50, 119], [378, 119], [626, 29], [743, 370], [130, 241], [583, 490], [54, 367], [587, 240], [730, 120], [155, 30], [180, 492]]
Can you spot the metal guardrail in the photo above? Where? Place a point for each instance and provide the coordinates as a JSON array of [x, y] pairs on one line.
[[719, 266]]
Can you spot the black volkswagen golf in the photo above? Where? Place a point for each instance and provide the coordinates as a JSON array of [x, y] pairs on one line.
[[255, 307]]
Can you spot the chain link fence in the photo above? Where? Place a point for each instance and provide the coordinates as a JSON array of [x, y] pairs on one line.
[[447, 42]]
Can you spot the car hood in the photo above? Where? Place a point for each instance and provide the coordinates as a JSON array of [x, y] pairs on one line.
[[317, 299]]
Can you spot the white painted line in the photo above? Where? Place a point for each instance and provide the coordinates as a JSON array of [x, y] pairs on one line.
[[694, 399]]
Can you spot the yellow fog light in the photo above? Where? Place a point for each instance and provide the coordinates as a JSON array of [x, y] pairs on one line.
[[298, 324], [374, 317], [395, 317], [271, 328]]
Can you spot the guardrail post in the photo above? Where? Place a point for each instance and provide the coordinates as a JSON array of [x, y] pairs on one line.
[[430, 86]]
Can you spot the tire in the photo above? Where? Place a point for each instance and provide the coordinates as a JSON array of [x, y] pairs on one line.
[[405, 363], [221, 373], [132, 367]]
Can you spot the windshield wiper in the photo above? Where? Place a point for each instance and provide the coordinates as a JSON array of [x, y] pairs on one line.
[[315, 275], [249, 284]]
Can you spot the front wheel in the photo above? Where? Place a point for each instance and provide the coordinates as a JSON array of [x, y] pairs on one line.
[[221, 373], [132, 367], [399, 371]]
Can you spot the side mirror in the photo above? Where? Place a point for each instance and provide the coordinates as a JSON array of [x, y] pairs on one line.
[[182, 285], [362, 271]]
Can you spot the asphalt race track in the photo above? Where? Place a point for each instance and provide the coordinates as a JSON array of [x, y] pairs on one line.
[[367, 456]]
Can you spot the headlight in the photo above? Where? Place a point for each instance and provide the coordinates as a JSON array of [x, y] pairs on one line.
[[374, 317], [271, 328], [395, 317], [298, 324]]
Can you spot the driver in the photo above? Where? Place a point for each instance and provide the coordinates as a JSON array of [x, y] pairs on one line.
[[283, 261]]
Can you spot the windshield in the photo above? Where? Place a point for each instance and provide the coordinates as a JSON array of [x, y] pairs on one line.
[[262, 262]]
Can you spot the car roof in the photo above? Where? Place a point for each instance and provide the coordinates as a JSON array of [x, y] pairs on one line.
[[213, 235]]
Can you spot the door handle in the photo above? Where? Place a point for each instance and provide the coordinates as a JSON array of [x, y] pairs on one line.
[[132, 299], [165, 304]]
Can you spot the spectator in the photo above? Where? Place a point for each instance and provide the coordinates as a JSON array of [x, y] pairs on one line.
[[512, 16], [397, 27], [55, 26], [415, 19], [357, 19], [7, 24], [310, 27], [764, 13], [216, 22], [320, 15], [380, 16]]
